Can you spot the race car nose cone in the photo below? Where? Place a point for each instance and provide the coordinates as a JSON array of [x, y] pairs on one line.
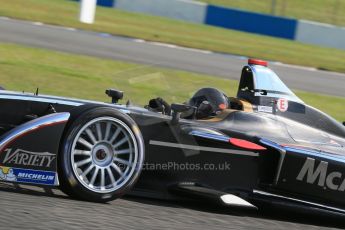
[[257, 62]]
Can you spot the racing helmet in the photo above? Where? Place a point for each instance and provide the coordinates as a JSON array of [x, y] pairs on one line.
[[209, 102]]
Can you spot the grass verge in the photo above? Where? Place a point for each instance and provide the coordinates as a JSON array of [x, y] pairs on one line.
[[64, 12], [24, 69]]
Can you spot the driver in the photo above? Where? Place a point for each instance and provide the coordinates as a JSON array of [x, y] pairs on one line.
[[209, 102]]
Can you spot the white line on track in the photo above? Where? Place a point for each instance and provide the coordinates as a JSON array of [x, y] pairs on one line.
[[295, 66], [38, 23], [306, 68], [138, 40], [173, 46], [71, 29]]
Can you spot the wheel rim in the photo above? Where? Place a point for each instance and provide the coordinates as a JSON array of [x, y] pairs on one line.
[[104, 155]]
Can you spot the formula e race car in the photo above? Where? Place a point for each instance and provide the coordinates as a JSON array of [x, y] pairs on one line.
[[265, 144]]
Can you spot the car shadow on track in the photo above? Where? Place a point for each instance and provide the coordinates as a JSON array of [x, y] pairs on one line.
[[31, 190], [268, 212]]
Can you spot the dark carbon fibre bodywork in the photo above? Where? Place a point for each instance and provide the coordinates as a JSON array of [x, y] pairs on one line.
[[303, 160]]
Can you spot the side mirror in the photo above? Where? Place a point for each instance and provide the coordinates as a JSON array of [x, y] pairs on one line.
[[115, 95], [178, 109]]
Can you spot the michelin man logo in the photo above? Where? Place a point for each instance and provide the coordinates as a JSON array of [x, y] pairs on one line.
[[2, 175], [7, 174]]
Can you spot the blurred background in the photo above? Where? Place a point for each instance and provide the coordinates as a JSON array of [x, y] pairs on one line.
[[169, 49]]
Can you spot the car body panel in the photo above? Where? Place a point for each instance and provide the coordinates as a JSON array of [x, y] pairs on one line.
[[301, 156]]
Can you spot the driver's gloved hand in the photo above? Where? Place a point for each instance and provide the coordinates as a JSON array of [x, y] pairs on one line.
[[204, 110], [160, 105]]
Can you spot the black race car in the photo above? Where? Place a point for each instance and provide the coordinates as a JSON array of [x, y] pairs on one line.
[[264, 145]]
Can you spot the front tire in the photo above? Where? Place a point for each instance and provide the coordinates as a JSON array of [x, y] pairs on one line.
[[102, 155]]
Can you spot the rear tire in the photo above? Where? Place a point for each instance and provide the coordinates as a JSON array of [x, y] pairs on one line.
[[102, 155]]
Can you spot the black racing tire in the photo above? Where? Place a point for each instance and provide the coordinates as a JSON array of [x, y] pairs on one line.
[[105, 158]]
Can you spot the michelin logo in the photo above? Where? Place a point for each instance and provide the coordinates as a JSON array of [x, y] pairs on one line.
[[27, 176], [35, 176], [320, 175]]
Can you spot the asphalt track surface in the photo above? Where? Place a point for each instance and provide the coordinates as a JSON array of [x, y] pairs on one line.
[[158, 54], [28, 207]]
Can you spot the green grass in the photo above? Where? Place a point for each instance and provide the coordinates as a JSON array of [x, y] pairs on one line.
[[24, 69], [326, 11], [63, 12]]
